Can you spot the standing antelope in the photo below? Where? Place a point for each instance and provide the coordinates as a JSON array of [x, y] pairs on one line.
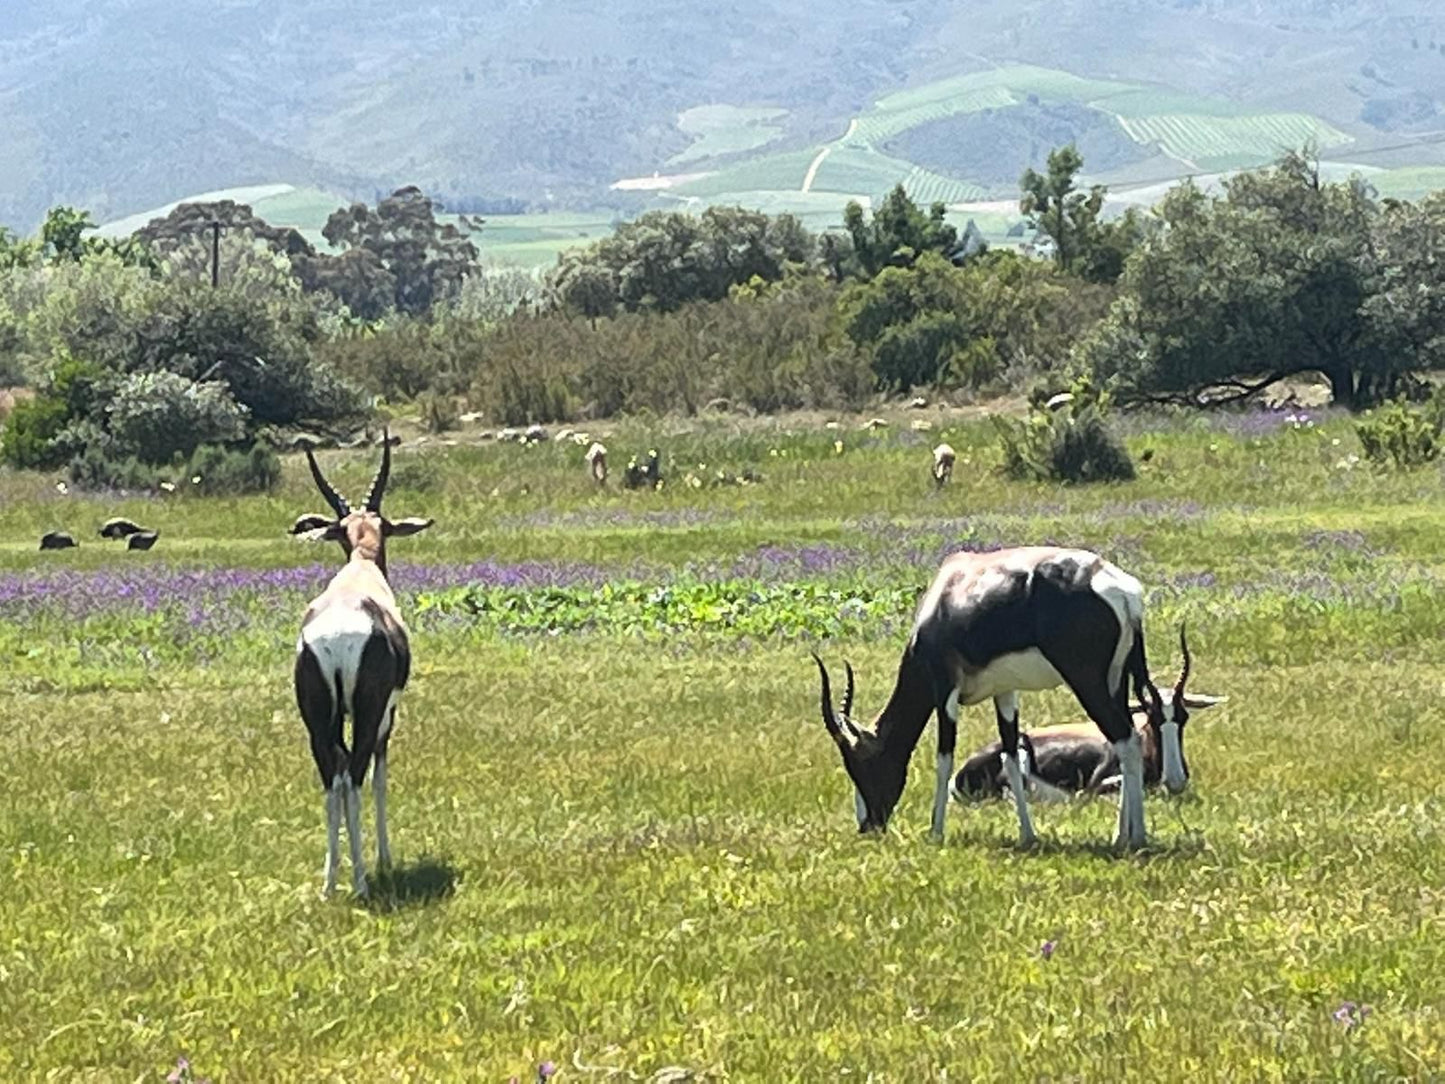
[[943, 457], [1075, 757], [993, 625], [353, 659], [596, 459]]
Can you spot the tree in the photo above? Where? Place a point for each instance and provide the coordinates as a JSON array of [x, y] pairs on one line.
[[663, 260], [1284, 274], [1084, 243], [427, 259], [898, 233], [914, 321]]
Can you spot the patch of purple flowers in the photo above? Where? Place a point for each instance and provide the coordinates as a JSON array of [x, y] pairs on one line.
[[1350, 1015], [1046, 950]]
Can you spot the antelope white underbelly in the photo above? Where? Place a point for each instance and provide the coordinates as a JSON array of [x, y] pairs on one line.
[[337, 637], [1021, 671]]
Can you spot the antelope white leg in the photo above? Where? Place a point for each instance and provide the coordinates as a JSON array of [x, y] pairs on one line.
[[1015, 774], [860, 807], [353, 831], [378, 788], [940, 792], [943, 784], [1132, 830], [333, 832]]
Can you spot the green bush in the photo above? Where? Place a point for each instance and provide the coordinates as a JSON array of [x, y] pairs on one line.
[[1402, 436], [158, 416], [34, 434], [1073, 444], [210, 471]]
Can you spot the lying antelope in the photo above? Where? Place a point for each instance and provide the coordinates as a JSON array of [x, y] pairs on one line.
[[353, 659], [1075, 758], [993, 625], [943, 457]]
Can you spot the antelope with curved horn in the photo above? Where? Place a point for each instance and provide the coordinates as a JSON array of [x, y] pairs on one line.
[[1073, 758], [993, 625], [353, 659]]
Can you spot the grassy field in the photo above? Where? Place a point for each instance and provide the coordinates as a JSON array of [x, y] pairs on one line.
[[624, 839]]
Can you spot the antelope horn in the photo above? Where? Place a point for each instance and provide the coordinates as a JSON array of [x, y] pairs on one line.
[[1183, 673], [378, 484], [333, 498], [830, 720]]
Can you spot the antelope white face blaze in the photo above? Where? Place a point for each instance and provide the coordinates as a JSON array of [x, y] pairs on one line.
[[1174, 778]]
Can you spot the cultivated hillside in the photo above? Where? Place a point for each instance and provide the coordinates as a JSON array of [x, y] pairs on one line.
[[121, 105]]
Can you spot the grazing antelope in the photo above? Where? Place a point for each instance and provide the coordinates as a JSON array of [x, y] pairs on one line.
[[943, 457], [118, 527], [596, 459], [1074, 757], [57, 540], [353, 659], [993, 625]]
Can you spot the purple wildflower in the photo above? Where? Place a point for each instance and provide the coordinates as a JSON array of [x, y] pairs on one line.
[[1046, 950], [1350, 1015], [546, 1071]]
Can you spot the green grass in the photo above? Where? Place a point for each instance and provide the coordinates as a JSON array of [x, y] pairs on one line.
[[770, 172], [634, 848], [1409, 183]]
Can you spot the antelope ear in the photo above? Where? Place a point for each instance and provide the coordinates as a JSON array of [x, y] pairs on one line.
[[311, 522], [327, 532], [412, 525], [1200, 701]]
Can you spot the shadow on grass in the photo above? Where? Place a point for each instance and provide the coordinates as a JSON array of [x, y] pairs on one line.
[[412, 884], [1184, 847]]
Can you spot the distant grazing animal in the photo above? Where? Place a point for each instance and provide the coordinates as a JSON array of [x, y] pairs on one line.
[[943, 457], [57, 540], [596, 459], [1075, 757], [648, 473], [118, 528], [142, 540], [353, 658], [990, 626]]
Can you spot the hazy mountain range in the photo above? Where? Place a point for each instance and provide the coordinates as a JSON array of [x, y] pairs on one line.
[[121, 105]]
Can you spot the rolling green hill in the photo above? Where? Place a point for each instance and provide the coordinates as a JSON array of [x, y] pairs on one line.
[[123, 105]]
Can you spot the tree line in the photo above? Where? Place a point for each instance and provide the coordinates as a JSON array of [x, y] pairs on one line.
[[1206, 298]]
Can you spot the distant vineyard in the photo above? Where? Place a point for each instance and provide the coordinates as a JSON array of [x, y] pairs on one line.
[[876, 126], [1216, 140]]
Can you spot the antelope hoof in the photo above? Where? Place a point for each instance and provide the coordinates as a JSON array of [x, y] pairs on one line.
[[359, 888], [1028, 841]]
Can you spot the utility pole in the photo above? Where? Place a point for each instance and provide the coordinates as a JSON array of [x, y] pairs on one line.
[[215, 252]]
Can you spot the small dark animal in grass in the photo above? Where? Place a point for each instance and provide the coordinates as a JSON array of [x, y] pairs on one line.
[[118, 527], [647, 474], [142, 540], [57, 540], [353, 658], [993, 625], [1074, 758]]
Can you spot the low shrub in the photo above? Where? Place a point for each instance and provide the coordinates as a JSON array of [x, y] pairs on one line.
[[1403, 436], [1072, 444]]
